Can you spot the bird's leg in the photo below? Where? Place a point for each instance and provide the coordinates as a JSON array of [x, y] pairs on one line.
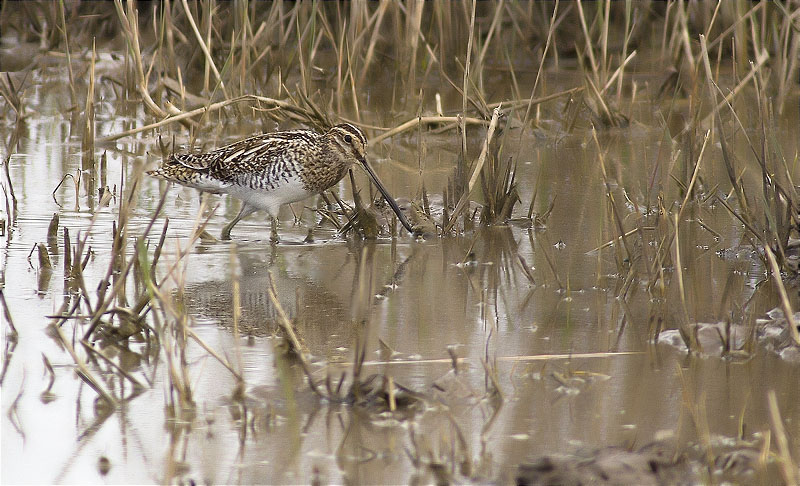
[[274, 236], [243, 213]]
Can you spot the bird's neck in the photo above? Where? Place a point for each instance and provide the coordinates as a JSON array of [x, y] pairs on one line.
[[328, 166]]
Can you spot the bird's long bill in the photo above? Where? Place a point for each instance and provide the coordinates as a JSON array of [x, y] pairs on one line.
[[387, 196]]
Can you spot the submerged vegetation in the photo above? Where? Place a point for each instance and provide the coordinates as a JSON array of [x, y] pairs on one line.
[[684, 118]]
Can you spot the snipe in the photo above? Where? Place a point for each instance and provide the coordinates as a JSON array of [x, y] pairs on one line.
[[269, 170]]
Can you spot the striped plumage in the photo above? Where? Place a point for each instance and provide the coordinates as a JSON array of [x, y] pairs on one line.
[[269, 170]]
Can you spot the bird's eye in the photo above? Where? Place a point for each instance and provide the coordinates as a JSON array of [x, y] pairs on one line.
[[348, 139]]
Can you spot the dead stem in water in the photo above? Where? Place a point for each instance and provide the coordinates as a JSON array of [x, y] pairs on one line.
[[788, 467]]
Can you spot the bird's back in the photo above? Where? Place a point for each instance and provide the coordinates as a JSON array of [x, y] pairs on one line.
[[258, 162]]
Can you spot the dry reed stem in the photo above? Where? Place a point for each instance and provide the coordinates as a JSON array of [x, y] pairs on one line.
[[493, 27], [790, 53], [83, 370], [236, 311], [466, 81], [207, 109], [610, 195], [618, 73], [190, 332], [130, 28], [550, 31], [61, 8], [618, 238], [787, 466], [10, 148], [295, 345], [761, 58], [694, 174], [413, 36], [462, 203], [424, 120], [627, 30], [204, 47], [589, 44], [698, 413], [11, 94], [89, 127], [7, 315], [136, 383], [154, 290], [735, 24], [785, 304], [285, 323], [685, 328], [604, 39], [376, 32], [510, 359]]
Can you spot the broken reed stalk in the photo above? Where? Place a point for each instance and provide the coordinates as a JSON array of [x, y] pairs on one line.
[[512, 104], [11, 94], [610, 243], [52, 233]]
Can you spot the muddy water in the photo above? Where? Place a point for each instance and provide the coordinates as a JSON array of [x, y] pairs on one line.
[[574, 365]]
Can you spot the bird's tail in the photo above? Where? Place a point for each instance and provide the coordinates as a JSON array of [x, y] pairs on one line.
[[159, 173], [171, 171], [174, 171]]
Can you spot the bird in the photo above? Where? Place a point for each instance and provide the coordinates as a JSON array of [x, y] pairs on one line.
[[269, 170]]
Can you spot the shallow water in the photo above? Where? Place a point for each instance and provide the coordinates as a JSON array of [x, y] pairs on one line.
[[575, 364]]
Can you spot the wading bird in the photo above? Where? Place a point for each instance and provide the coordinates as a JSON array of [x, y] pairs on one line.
[[269, 170]]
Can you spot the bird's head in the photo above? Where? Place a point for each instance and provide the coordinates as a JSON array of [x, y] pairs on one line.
[[350, 140]]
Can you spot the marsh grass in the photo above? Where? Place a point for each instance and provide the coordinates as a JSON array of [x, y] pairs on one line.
[[273, 59]]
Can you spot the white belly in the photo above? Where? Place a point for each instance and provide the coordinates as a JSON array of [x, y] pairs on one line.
[[271, 200]]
